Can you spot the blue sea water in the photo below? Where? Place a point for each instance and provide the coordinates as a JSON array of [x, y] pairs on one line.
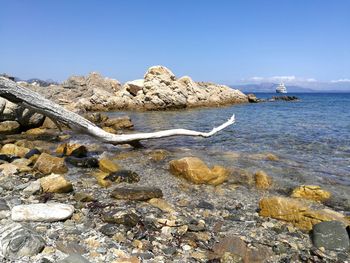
[[311, 136]]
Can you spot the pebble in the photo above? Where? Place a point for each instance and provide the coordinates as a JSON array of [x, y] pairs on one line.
[[48, 212], [74, 258]]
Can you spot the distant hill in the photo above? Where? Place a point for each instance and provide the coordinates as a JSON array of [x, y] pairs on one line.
[[269, 87]]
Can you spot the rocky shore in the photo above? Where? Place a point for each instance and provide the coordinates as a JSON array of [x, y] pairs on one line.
[[65, 199]]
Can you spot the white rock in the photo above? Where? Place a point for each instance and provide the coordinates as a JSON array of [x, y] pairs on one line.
[[48, 212]]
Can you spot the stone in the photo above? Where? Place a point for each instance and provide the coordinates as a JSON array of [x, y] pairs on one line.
[[72, 149], [119, 123], [262, 180], [9, 127], [74, 258], [311, 192], [162, 205], [86, 162], [239, 251], [22, 164], [101, 179], [48, 164], [137, 193], [12, 149], [48, 212], [33, 188], [123, 176], [108, 166], [18, 241], [133, 87], [158, 155], [297, 212], [127, 218], [83, 197], [109, 229], [252, 98], [70, 247], [8, 169], [195, 170], [29, 119], [331, 235], [55, 183], [31, 153], [4, 209]]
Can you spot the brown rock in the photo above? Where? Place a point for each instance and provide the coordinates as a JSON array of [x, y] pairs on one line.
[[311, 192], [262, 180], [55, 183], [298, 212], [8, 169], [162, 205], [108, 166], [196, 171], [138, 193], [23, 164], [72, 149], [158, 155], [119, 123], [48, 164], [9, 127], [101, 179], [12, 149]]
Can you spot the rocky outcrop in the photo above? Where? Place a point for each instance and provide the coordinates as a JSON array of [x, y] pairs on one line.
[[160, 89]]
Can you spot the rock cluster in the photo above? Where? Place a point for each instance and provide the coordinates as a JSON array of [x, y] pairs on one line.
[[159, 89]]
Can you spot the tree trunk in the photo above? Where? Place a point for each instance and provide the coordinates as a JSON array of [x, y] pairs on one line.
[[32, 100]]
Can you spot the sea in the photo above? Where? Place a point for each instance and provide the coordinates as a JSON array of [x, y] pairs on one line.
[[311, 137]]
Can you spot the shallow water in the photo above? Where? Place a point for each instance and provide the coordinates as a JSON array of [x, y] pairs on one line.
[[311, 136]]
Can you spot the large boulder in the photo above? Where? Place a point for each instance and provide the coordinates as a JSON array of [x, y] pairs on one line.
[[195, 170], [297, 212]]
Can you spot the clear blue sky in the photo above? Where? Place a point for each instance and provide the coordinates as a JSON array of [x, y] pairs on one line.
[[217, 40]]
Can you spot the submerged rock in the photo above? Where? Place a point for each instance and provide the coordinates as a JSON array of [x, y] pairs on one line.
[[48, 212], [119, 123], [311, 192], [121, 176], [137, 193], [18, 241], [108, 166], [196, 171], [297, 212], [331, 235], [262, 180], [86, 162], [48, 164]]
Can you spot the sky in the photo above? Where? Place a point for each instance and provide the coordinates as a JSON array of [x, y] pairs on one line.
[[224, 41]]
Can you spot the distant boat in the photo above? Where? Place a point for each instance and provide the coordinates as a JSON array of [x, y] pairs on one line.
[[281, 88]]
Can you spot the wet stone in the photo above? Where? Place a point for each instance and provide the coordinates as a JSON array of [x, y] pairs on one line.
[[8, 158], [31, 153], [109, 229], [70, 248], [4, 209], [18, 241], [126, 218], [74, 258], [139, 193], [205, 205], [121, 176], [331, 235], [86, 162], [83, 197]]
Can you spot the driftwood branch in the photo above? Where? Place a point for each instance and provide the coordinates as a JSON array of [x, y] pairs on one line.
[[32, 100]]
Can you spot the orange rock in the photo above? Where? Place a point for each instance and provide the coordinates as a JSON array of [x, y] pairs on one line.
[[298, 212], [48, 164], [311, 192], [195, 170], [262, 180], [12, 149], [72, 149], [108, 166], [55, 183]]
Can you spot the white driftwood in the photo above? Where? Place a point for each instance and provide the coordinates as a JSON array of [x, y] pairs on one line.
[[32, 100]]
